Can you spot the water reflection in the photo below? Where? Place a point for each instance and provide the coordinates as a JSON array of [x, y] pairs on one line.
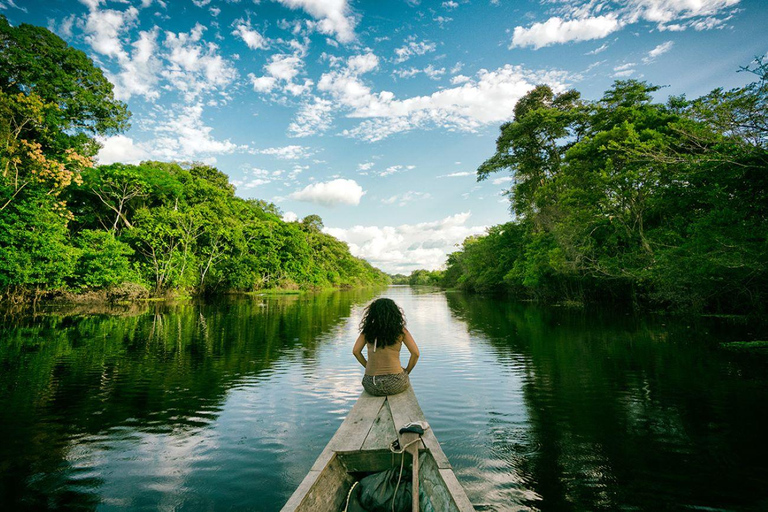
[[626, 412], [227, 404], [160, 408]]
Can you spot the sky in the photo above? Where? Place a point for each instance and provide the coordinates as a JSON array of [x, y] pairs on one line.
[[376, 114]]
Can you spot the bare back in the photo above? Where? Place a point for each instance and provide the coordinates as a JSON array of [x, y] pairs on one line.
[[384, 360]]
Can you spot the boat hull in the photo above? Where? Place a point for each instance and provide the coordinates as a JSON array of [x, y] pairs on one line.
[[361, 446]]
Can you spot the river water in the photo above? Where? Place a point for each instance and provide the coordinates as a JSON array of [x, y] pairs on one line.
[[225, 405]]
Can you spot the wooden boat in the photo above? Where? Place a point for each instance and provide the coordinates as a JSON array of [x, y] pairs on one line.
[[361, 446]]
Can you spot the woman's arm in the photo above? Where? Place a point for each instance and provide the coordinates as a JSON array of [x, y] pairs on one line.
[[357, 350], [410, 344]]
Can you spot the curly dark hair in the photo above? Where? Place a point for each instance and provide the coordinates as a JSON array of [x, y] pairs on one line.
[[383, 322]]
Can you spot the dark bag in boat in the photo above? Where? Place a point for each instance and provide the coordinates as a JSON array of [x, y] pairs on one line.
[[374, 493]]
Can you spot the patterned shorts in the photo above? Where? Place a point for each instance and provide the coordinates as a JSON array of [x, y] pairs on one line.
[[383, 385]]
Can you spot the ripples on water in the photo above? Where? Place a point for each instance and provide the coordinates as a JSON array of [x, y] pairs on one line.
[[225, 406]]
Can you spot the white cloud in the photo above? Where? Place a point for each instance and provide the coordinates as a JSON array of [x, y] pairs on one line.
[[183, 135], [659, 50], [430, 71], [394, 169], [412, 48], [364, 167], [458, 174], [331, 193], [460, 79], [62, 28], [252, 38], [599, 49], [584, 20], [555, 30], [624, 70], [407, 197], [334, 16], [281, 71], [450, 4], [488, 99], [663, 12], [398, 249], [139, 72], [119, 148], [312, 118], [364, 63], [504, 179], [92, 4], [103, 29], [290, 217], [194, 67], [287, 152]]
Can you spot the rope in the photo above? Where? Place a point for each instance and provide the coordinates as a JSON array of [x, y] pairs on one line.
[[349, 495]]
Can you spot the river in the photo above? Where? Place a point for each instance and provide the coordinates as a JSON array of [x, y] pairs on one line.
[[225, 404]]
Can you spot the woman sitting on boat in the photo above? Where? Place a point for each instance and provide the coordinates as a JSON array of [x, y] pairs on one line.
[[383, 332]]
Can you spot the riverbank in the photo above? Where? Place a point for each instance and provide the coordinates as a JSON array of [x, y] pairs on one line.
[[130, 293]]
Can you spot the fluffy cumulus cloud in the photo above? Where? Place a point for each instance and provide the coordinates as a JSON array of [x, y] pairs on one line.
[[104, 29], [181, 135], [251, 37], [401, 249], [488, 98], [333, 17], [139, 72], [586, 20], [555, 30], [331, 193], [194, 66], [280, 73], [185, 61], [184, 136], [120, 148]]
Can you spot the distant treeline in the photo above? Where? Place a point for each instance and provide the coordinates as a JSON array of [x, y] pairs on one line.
[[128, 230], [628, 200]]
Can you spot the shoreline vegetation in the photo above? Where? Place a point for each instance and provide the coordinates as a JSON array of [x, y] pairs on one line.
[[622, 200], [71, 231], [626, 200]]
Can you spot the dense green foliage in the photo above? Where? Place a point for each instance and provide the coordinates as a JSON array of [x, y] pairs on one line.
[[625, 199], [66, 225], [419, 278]]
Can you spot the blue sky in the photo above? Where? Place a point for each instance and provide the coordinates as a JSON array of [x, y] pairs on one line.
[[375, 114]]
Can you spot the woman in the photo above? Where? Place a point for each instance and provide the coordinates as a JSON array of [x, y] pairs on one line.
[[383, 332]]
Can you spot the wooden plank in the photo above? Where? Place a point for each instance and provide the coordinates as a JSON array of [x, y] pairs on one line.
[[414, 450], [430, 441], [356, 426], [434, 486], [321, 491], [382, 431], [404, 409], [408, 409], [456, 490], [371, 461]]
